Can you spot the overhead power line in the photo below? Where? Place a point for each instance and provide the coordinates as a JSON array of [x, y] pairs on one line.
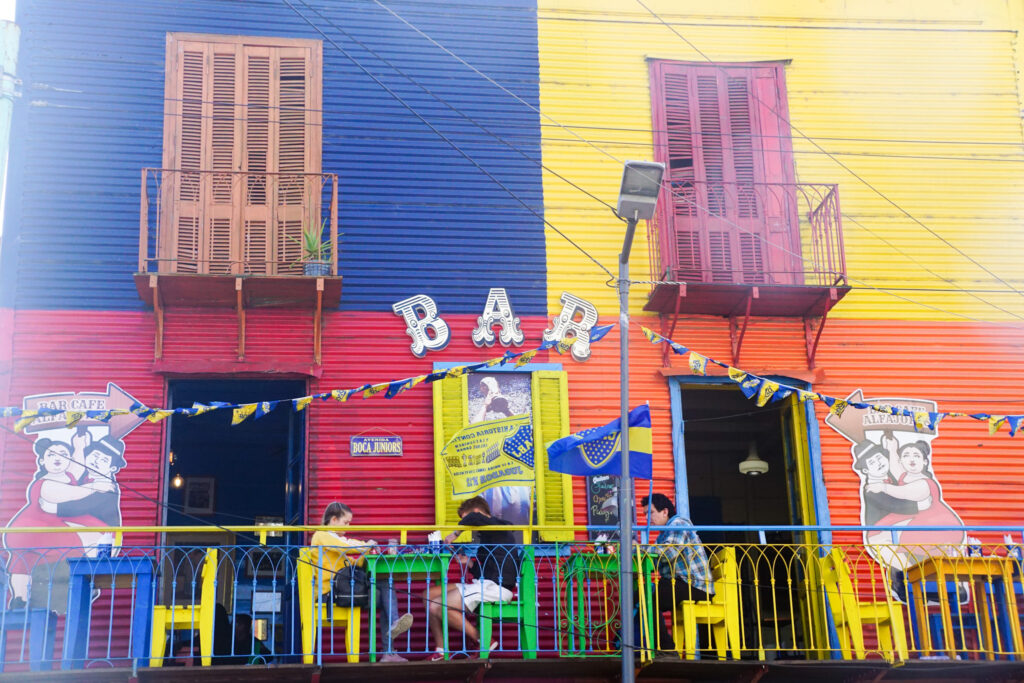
[[842, 165], [668, 186], [444, 137]]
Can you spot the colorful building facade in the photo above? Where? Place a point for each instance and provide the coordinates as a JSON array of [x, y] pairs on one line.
[[841, 213]]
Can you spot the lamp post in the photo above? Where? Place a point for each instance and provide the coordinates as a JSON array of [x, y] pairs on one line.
[[638, 196]]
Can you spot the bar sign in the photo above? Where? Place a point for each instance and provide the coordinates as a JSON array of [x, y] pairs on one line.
[[375, 445]]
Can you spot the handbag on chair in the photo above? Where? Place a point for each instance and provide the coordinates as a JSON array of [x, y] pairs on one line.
[[352, 587]]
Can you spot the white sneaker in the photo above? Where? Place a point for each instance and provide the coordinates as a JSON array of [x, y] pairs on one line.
[[392, 657], [401, 625]]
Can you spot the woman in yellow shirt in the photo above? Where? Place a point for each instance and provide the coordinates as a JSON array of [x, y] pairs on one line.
[[337, 550]]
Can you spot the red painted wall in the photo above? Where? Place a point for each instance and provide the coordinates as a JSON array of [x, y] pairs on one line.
[[963, 366]]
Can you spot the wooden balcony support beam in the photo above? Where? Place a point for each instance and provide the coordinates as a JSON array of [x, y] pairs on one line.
[[240, 308], [736, 330], [318, 320], [158, 311], [672, 329], [814, 326]]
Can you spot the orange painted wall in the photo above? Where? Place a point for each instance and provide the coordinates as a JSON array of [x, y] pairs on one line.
[[966, 367]]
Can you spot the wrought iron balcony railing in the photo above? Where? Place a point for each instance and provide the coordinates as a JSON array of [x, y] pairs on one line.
[[749, 233], [165, 605], [237, 223]]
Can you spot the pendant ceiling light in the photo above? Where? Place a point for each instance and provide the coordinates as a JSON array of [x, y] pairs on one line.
[[753, 465]]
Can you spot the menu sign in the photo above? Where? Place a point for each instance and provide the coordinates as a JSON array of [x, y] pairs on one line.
[[603, 505]]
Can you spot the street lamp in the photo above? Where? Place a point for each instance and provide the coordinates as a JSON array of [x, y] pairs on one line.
[[638, 197]]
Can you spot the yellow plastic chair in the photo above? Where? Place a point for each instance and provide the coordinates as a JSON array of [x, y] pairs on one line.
[[170, 618], [721, 612], [850, 614], [307, 573]]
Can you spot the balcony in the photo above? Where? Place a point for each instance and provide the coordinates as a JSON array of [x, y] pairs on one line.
[[764, 249], [791, 609], [224, 239], [233, 239]]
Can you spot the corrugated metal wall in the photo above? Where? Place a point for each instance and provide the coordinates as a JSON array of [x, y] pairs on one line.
[[416, 215], [920, 99], [964, 367], [75, 351]]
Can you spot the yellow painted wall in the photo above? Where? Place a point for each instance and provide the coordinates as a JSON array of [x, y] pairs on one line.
[[921, 99]]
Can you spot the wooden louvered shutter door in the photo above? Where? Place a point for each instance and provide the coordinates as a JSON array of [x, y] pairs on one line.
[[297, 204], [743, 191], [678, 144], [713, 167], [221, 238], [241, 129], [279, 148], [182, 198], [781, 217], [257, 157], [198, 204]]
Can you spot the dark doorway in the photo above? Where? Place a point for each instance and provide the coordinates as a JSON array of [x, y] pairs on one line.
[[235, 475], [721, 429]]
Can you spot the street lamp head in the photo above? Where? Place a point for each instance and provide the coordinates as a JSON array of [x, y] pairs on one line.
[[641, 182]]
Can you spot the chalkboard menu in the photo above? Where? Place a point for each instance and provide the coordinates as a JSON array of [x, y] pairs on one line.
[[603, 504]]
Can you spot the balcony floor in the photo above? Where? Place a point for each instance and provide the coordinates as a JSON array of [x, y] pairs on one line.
[[565, 670], [219, 291], [702, 298]]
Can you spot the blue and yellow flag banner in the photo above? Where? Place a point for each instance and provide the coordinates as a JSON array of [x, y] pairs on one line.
[[488, 454], [766, 391], [241, 412], [599, 450]]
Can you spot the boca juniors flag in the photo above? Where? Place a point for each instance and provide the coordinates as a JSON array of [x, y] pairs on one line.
[[599, 450]]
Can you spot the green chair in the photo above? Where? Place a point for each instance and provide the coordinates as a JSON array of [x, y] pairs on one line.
[[522, 610]]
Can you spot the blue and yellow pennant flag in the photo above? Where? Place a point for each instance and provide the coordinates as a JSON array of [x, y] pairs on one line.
[[599, 450]]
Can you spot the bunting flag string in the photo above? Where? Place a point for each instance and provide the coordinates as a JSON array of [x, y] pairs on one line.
[[764, 391], [240, 412]]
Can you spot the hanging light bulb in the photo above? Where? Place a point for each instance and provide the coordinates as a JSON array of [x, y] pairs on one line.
[[177, 482], [753, 465]]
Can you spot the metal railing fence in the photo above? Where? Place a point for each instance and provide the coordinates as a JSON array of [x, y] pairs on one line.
[[168, 604]]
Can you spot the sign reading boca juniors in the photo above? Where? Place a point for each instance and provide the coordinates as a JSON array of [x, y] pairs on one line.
[[488, 454], [75, 480]]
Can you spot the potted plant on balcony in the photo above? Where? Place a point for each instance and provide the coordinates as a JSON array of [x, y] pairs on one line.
[[316, 251]]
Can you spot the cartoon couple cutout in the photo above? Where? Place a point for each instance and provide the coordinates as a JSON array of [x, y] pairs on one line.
[[74, 487], [900, 490]]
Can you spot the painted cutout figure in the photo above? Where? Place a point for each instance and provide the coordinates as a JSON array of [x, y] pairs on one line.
[[893, 457], [75, 486]]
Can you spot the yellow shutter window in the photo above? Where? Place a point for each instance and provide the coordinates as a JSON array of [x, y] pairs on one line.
[[451, 413], [550, 393], [550, 407]]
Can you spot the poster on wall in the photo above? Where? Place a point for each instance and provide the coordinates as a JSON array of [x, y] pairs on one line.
[[896, 462], [497, 395], [74, 484]]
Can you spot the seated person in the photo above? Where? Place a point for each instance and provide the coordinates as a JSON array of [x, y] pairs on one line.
[[680, 556], [246, 643], [333, 547], [495, 572]]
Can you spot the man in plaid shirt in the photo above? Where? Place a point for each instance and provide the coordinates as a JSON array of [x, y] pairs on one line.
[[680, 556]]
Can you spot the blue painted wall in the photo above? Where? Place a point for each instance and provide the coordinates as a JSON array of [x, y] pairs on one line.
[[417, 217]]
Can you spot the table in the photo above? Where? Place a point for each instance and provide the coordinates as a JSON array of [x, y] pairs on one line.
[[607, 566], [122, 572], [414, 565], [996, 572]]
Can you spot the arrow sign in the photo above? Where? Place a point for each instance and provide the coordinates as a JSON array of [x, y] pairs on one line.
[[114, 398], [852, 423]]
